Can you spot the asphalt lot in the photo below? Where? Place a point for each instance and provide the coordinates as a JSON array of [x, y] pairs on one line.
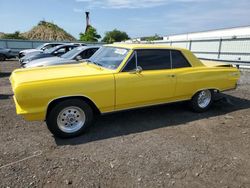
[[164, 146]]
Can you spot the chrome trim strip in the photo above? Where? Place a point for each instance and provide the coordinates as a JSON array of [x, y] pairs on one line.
[[144, 106], [131, 56]]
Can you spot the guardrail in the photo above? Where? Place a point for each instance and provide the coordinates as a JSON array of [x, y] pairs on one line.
[[233, 50], [18, 45]]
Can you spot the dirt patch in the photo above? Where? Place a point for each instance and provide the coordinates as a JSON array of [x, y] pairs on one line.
[[164, 146]]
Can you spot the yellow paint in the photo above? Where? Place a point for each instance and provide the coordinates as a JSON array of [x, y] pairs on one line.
[[112, 90]]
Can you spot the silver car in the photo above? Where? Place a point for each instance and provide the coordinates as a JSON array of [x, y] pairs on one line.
[[74, 56], [38, 49], [6, 54]]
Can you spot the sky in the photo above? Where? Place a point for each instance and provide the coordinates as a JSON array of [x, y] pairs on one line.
[[136, 17]]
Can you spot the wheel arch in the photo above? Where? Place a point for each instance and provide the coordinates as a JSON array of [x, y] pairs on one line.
[[55, 101], [1, 54], [216, 90]]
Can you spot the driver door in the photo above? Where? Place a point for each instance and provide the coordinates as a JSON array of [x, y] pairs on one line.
[[154, 84]]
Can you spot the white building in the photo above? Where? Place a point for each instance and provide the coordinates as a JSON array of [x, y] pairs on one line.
[[235, 32]]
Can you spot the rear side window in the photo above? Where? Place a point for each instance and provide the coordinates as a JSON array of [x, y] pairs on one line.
[[153, 59], [178, 60]]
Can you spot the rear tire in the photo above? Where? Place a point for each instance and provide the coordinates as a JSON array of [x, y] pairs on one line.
[[202, 100], [69, 118]]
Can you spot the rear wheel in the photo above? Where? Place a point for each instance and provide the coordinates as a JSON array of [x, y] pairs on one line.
[[202, 100], [2, 57], [69, 118]]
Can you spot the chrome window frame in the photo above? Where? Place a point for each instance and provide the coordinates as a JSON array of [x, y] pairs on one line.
[[171, 60]]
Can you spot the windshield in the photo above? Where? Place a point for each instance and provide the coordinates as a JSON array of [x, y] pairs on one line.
[[50, 50], [40, 47], [72, 53], [109, 57]]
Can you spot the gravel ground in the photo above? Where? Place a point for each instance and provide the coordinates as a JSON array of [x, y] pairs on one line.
[[164, 146]]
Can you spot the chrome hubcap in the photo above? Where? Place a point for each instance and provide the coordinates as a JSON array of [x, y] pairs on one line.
[[71, 119], [204, 98]]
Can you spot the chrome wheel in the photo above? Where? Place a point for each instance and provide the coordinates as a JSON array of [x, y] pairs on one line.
[[204, 98], [71, 119]]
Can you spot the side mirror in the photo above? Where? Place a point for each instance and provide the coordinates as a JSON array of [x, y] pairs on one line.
[[42, 48], [78, 58], [137, 70]]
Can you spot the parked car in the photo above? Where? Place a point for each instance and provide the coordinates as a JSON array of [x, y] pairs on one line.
[[117, 77], [80, 44], [6, 54], [74, 56], [38, 49], [56, 51]]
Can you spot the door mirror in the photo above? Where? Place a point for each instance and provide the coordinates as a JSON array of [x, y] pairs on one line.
[[137, 70], [78, 58]]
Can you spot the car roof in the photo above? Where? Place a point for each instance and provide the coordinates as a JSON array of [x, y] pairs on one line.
[[87, 47], [143, 46], [91, 46], [53, 43], [62, 45]]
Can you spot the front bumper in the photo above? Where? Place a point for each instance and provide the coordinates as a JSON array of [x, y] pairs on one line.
[[29, 115]]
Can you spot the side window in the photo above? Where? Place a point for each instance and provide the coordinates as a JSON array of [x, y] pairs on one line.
[[83, 54], [130, 64], [48, 46], [154, 59], [178, 60], [70, 48], [90, 52], [61, 50], [94, 50]]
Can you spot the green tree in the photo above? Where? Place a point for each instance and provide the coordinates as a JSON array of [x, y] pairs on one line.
[[15, 35], [152, 38], [115, 36], [90, 35]]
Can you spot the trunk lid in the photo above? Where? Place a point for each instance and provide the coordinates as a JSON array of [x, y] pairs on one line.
[[210, 63]]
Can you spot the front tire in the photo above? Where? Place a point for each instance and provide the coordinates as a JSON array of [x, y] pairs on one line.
[[2, 57], [202, 100], [69, 118]]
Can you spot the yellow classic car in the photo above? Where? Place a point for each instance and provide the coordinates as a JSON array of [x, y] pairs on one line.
[[117, 77]]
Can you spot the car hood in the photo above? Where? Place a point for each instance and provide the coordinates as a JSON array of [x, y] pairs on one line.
[[30, 50], [29, 58], [31, 54], [40, 74], [48, 62]]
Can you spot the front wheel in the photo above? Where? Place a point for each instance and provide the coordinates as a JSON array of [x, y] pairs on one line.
[[2, 57], [69, 118], [202, 100]]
